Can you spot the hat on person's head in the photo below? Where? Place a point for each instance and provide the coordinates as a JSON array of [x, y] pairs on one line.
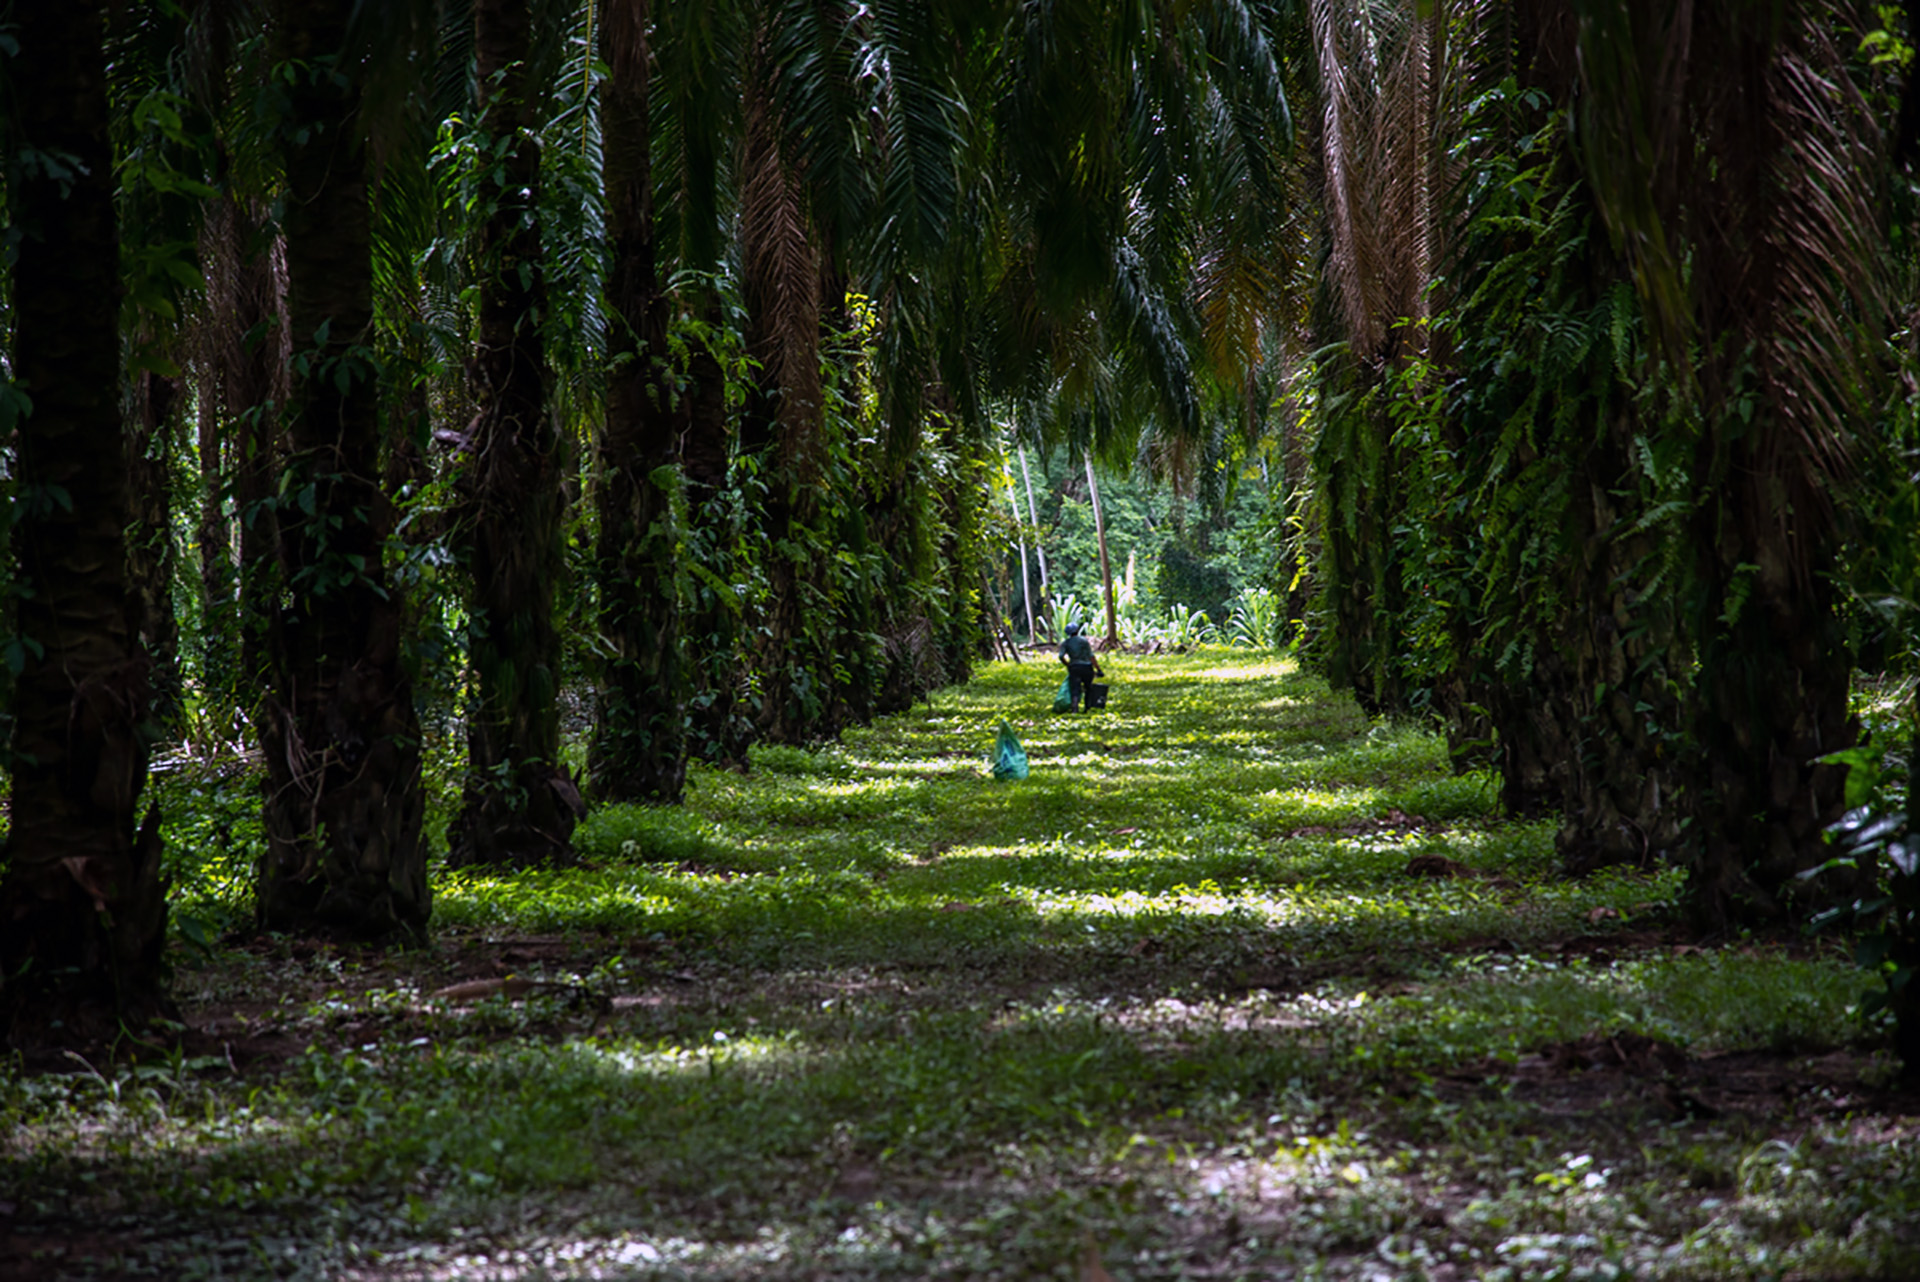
[[1073, 629]]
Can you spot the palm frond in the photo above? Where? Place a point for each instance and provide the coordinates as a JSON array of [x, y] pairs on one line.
[[1149, 323], [810, 48], [920, 139], [1254, 92], [779, 270], [700, 61]]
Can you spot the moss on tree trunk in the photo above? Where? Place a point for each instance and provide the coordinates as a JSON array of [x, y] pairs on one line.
[[341, 740], [639, 746], [520, 806]]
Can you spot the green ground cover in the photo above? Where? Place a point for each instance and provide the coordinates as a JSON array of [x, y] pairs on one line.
[[1235, 985]]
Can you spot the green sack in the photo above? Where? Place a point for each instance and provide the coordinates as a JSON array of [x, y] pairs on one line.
[[1063, 701], [1009, 758]]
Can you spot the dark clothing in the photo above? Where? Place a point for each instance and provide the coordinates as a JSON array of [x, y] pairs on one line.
[[1079, 677], [1077, 653]]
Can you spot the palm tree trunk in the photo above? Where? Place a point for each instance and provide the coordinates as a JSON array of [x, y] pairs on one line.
[[1359, 467], [781, 425], [1590, 731], [219, 627], [962, 493], [895, 509], [1775, 190], [520, 806], [639, 746], [342, 743], [1772, 699], [150, 559], [1033, 515], [1020, 541], [1106, 567], [83, 904], [719, 731], [246, 353], [1775, 669]]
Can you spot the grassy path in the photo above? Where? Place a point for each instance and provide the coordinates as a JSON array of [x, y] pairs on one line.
[[1236, 985]]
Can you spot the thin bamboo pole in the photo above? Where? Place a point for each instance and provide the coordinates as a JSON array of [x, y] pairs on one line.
[[1106, 568], [1020, 540], [1039, 548]]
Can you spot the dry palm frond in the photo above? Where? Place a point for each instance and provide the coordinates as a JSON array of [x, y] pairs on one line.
[[1350, 214], [780, 274], [1734, 136], [1824, 235], [1376, 62]]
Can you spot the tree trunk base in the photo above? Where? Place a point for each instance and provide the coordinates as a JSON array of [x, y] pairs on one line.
[[82, 960], [492, 832]]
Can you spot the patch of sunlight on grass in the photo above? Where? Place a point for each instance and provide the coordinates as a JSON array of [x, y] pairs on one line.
[[957, 763], [665, 1059], [862, 787], [1311, 806], [1317, 917], [545, 900], [1251, 672]]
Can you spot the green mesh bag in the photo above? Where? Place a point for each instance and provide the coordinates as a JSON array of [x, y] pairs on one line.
[[1009, 758]]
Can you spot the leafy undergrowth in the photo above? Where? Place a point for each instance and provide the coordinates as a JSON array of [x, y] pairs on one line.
[[1235, 985]]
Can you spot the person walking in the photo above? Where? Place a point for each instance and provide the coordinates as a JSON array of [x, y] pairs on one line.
[[1082, 667]]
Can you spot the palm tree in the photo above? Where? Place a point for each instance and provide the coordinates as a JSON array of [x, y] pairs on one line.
[[783, 425], [1736, 167], [1557, 624], [338, 727], [159, 218], [639, 748], [520, 805], [245, 342], [802, 192], [1112, 638], [239, 349], [1033, 519], [83, 900], [697, 57], [155, 403], [1377, 64]]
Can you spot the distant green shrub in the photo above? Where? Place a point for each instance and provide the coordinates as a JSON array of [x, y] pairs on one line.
[[1185, 576], [645, 834], [778, 759]]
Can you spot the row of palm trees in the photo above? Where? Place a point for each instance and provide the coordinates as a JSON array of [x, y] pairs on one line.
[[1612, 287], [764, 273], [1572, 313]]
